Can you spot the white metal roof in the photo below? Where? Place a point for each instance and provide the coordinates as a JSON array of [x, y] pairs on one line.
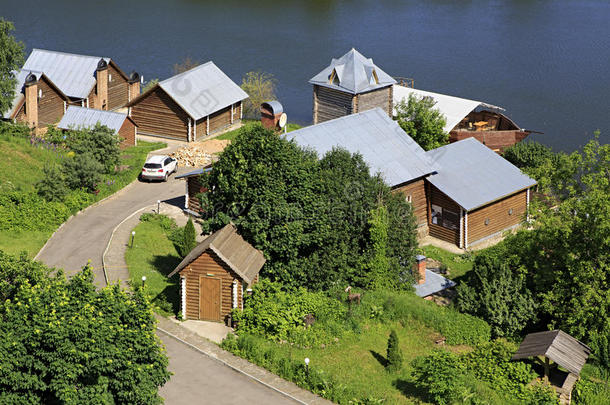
[[385, 147], [453, 108], [203, 90], [473, 175], [81, 117], [355, 73], [73, 74]]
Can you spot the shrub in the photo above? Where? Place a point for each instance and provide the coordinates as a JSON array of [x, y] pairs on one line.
[[278, 315], [83, 171], [439, 374], [52, 187], [99, 142], [393, 354], [188, 238], [28, 211]]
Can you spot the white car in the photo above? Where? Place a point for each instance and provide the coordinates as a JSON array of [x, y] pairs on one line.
[[158, 167]]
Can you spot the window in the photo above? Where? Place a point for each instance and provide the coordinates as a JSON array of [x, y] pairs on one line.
[[510, 211], [334, 78], [374, 79], [486, 221], [39, 93], [167, 161], [445, 218], [408, 198], [109, 77]]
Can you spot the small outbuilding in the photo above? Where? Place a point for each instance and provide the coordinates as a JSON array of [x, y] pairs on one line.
[[563, 350], [214, 275], [86, 118], [192, 205], [190, 105]]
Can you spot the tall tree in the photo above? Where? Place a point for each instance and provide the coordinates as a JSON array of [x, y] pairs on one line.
[[62, 341], [187, 64], [11, 60], [422, 122], [260, 87]]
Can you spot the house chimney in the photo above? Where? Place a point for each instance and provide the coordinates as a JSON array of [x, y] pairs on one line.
[[134, 85], [271, 112], [31, 100], [102, 85], [419, 269]]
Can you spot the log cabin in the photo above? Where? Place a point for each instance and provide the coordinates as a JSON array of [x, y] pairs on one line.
[[462, 193], [86, 81], [469, 119], [190, 105], [214, 275], [350, 84], [77, 118]]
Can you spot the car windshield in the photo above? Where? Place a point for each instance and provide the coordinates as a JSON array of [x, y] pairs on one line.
[[152, 165]]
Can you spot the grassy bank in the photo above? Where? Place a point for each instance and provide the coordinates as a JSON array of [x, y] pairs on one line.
[[27, 220], [153, 255]]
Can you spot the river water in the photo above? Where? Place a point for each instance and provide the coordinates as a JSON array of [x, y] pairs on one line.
[[546, 62]]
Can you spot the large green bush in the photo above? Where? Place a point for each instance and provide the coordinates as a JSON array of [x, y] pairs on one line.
[[64, 342], [52, 187], [83, 171], [447, 377]]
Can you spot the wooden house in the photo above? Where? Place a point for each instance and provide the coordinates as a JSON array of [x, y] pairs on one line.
[[469, 119], [462, 193], [190, 105], [350, 84], [193, 188], [86, 118], [61, 79], [214, 275], [385, 147]]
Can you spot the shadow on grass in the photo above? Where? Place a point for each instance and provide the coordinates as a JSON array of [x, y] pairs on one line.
[[169, 299], [408, 389], [382, 360]]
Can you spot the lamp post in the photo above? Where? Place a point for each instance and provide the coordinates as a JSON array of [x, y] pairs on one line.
[[158, 207], [133, 236], [307, 366], [143, 281]]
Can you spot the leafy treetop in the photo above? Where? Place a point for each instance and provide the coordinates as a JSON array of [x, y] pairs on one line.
[[11, 60]]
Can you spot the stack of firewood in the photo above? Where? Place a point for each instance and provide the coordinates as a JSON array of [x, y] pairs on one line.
[[199, 154]]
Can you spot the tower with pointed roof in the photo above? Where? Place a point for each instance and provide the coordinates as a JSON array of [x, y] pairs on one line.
[[350, 84]]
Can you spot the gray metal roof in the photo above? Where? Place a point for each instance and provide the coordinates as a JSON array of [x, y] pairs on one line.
[[453, 108], [232, 249], [197, 172], [434, 283], [73, 74], [354, 73], [203, 90], [275, 106], [473, 175], [558, 346], [84, 118], [385, 147]]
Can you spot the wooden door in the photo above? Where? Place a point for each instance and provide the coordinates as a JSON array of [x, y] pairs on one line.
[[209, 299]]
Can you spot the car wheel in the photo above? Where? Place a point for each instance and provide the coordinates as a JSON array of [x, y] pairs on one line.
[[166, 176]]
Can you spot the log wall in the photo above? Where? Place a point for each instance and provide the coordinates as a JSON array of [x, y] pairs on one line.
[[210, 265], [194, 188], [437, 197], [156, 114], [416, 190], [330, 104], [128, 134], [381, 98], [118, 89], [498, 215], [50, 105], [494, 140]]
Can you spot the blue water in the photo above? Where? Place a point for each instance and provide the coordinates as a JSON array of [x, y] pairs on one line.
[[546, 62]]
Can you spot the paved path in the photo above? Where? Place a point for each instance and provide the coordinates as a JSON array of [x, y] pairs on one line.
[[85, 236]]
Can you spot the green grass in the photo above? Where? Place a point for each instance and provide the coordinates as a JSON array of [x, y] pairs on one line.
[[23, 163], [153, 255], [25, 167], [458, 265], [232, 134]]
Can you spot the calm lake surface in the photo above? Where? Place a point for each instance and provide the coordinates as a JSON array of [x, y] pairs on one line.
[[546, 62]]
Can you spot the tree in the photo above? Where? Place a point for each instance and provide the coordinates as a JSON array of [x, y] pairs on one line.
[[187, 64], [52, 187], [62, 341], [188, 238], [495, 290], [422, 122], [260, 87], [394, 354], [379, 266], [11, 60], [149, 85], [308, 216], [82, 171]]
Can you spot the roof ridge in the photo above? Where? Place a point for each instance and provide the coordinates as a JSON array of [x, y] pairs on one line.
[[188, 71], [95, 110], [70, 53]]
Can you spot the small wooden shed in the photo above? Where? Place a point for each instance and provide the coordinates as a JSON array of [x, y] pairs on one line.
[[193, 188], [563, 350], [86, 118], [214, 275]]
